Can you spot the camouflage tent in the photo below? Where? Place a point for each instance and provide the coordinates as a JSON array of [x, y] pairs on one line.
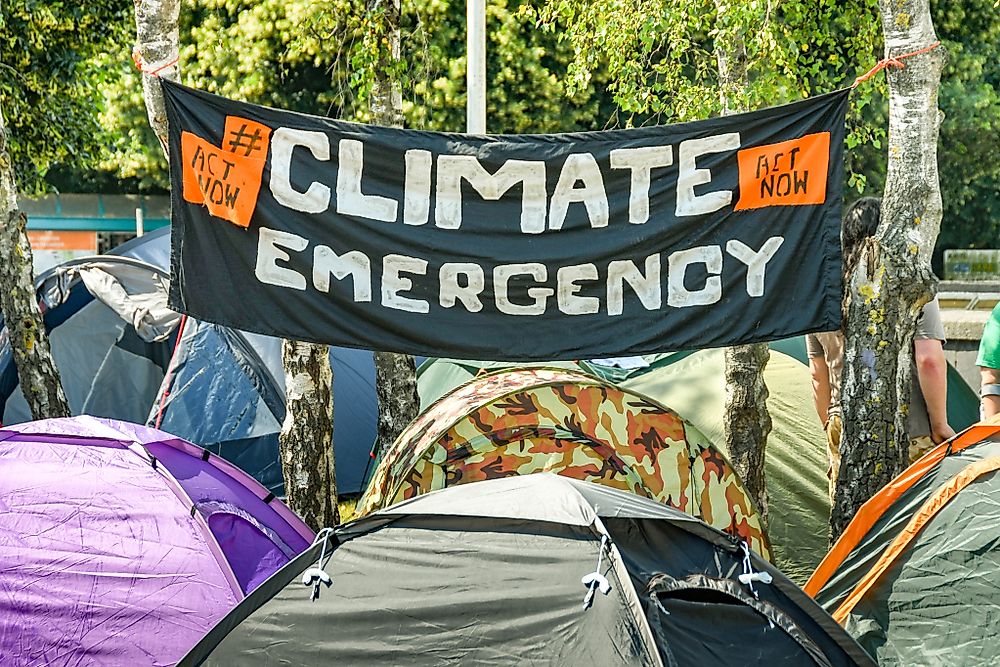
[[693, 385], [539, 570], [516, 422]]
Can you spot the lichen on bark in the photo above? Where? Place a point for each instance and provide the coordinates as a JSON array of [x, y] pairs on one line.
[[892, 279]]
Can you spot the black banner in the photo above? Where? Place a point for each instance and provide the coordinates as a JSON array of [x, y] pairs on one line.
[[520, 247]]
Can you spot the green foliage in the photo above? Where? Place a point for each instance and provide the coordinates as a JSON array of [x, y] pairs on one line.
[[48, 81], [661, 54], [591, 65], [969, 139], [970, 130], [321, 58]]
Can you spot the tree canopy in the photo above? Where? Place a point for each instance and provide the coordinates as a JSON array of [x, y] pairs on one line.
[[53, 58], [562, 65]]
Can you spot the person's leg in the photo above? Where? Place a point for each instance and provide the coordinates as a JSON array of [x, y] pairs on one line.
[[833, 430]]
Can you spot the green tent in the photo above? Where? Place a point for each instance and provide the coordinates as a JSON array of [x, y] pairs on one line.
[[914, 577]]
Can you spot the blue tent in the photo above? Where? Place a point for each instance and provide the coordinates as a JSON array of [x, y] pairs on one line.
[[218, 387]]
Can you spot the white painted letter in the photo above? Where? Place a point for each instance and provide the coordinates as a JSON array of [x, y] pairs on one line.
[[678, 295], [579, 167], [451, 291], [567, 288], [646, 288], [417, 190], [640, 161], [503, 273], [350, 199], [284, 140], [755, 261], [393, 283], [269, 250], [353, 263], [688, 203], [453, 169]]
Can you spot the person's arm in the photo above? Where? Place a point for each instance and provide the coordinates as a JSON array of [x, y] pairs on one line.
[[932, 373], [820, 387], [990, 403]]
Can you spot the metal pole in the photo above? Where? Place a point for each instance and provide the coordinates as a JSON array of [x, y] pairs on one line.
[[139, 230], [475, 106]]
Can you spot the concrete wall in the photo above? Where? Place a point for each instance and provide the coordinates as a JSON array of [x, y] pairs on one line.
[[965, 307]]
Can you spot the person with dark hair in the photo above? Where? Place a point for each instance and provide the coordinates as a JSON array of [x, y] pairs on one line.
[[928, 415], [989, 366]]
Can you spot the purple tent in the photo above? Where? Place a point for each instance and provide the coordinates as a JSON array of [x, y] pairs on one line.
[[121, 544]]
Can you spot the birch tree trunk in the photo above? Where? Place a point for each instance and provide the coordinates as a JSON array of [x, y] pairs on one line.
[[892, 279], [746, 421], [306, 438], [395, 374], [156, 44], [29, 343]]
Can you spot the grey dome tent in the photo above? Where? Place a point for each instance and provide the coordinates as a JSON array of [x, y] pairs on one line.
[[218, 387], [537, 569]]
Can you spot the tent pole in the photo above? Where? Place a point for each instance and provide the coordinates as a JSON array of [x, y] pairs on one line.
[[475, 105]]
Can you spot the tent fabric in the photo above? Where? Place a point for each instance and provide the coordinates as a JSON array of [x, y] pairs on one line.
[[796, 460], [692, 383], [227, 392], [904, 540], [916, 475], [120, 544], [552, 420], [106, 370], [496, 579], [137, 295], [914, 577]]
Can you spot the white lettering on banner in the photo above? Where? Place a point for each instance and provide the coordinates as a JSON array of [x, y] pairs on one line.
[[393, 283], [579, 167], [647, 287], [316, 199], [350, 199], [452, 291], [465, 282], [354, 263], [641, 161], [503, 273], [755, 261], [581, 181], [453, 169], [269, 244], [688, 203], [417, 190], [677, 294], [566, 290]]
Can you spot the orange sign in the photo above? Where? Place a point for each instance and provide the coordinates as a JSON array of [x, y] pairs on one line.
[[789, 173], [59, 240], [227, 179]]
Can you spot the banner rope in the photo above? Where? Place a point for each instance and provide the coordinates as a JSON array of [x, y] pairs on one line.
[[896, 61], [143, 66]]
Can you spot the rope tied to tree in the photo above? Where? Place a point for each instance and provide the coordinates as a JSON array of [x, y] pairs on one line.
[[895, 61], [144, 67]]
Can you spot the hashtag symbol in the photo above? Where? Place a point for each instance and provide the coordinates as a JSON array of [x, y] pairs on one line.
[[250, 145]]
